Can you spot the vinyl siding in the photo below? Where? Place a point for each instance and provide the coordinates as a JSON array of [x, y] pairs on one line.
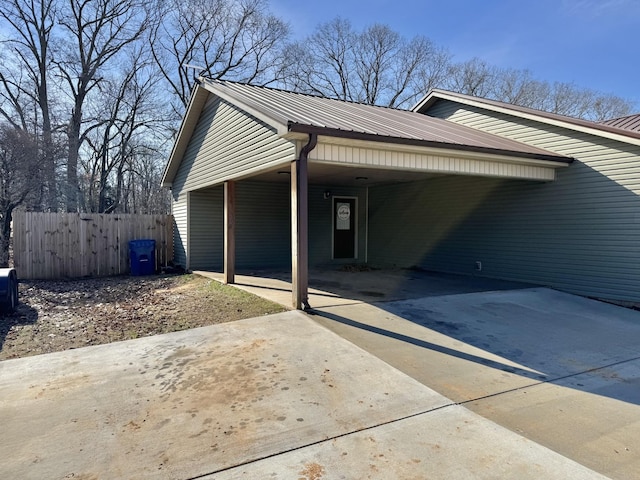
[[227, 143], [206, 235], [402, 160], [321, 224], [580, 233], [179, 209], [263, 232], [263, 225]]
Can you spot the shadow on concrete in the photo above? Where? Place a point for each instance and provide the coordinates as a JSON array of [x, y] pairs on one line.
[[553, 336], [429, 345]]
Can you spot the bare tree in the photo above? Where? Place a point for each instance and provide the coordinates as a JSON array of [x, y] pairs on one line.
[[20, 179], [231, 39], [519, 87], [473, 77], [98, 31], [375, 66], [31, 25], [132, 123]]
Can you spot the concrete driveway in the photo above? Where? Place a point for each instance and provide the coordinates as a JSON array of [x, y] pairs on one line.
[[558, 369], [271, 397]]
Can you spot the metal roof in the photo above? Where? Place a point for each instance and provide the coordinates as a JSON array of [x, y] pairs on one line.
[[630, 122], [299, 112], [603, 129]]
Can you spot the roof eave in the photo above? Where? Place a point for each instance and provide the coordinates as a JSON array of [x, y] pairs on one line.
[[187, 126], [278, 123], [583, 126], [332, 132]]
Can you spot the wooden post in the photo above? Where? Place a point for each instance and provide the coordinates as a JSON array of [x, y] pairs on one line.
[[229, 231], [299, 227]]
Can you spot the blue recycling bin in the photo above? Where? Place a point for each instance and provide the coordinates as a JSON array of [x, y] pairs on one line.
[[142, 254]]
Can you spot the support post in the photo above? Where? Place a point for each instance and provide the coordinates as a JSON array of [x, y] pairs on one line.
[[229, 232], [299, 227]]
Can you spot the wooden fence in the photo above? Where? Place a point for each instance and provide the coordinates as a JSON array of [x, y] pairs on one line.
[[72, 245]]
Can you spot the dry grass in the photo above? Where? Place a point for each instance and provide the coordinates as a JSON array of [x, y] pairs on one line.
[[60, 315]]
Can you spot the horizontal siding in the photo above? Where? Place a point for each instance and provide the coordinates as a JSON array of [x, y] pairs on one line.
[[393, 159], [580, 233], [618, 161], [263, 225], [448, 224], [179, 211], [206, 216], [321, 223], [228, 143]]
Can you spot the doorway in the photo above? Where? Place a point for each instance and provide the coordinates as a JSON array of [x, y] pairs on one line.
[[344, 227]]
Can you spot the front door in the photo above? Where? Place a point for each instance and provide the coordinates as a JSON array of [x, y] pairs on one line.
[[344, 227]]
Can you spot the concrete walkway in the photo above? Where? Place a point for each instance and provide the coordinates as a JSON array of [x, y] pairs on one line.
[[272, 397], [558, 369]]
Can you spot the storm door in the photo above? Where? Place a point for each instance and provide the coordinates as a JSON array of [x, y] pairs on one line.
[[344, 227]]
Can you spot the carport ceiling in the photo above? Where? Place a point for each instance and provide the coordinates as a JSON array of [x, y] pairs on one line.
[[324, 174]]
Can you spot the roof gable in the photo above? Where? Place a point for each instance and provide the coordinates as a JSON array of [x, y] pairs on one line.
[[605, 129], [292, 114]]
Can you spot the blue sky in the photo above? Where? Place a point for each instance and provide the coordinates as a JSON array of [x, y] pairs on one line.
[[592, 43]]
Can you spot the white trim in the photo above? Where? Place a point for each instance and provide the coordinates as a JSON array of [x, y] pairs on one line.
[[237, 101], [346, 155], [188, 245], [528, 116]]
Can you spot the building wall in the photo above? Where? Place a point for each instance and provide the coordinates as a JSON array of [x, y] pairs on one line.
[[580, 233], [227, 143], [206, 235], [179, 209], [321, 223], [263, 226]]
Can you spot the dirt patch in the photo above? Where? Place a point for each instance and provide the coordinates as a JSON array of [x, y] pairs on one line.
[[60, 315]]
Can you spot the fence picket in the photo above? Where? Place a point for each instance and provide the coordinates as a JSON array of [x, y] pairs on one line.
[[71, 245]]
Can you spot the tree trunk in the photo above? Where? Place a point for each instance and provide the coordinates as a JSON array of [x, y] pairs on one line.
[[5, 236]]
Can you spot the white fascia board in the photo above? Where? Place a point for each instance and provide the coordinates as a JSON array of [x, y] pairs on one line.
[[449, 152], [528, 116]]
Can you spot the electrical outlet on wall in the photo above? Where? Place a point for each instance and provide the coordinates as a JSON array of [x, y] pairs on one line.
[[478, 266]]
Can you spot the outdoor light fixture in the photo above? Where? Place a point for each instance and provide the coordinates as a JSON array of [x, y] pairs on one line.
[[326, 194]]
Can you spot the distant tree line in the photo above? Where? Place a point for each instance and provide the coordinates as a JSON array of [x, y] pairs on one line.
[[92, 91]]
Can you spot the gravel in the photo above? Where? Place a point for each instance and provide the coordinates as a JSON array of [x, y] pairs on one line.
[[60, 315]]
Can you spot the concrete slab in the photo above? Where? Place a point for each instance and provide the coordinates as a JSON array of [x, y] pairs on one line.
[[191, 403], [593, 417], [450, 443], [561, 369]]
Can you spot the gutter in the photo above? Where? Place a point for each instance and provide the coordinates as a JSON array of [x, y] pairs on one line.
[[350, 134]]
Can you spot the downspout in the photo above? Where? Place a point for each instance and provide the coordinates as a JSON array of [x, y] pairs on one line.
[[311, 144], [300, 275]]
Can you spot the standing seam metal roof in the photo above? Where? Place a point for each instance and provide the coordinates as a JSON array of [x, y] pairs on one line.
[[630, 122], [336, 115]]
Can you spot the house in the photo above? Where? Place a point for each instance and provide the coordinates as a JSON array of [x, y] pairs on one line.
[[265, 178]]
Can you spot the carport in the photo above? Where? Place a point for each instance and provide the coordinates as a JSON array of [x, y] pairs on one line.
[[350, 183]]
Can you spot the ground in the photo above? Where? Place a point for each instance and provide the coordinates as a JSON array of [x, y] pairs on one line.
[[60, 315]]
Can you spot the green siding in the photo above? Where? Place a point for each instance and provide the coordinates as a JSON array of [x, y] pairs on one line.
[[179, 210], [206, 216], [321, 223], [580, 233], [263, 225], [228, 143]]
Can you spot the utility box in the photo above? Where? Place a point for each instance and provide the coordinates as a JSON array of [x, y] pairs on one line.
[[142, 255]]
